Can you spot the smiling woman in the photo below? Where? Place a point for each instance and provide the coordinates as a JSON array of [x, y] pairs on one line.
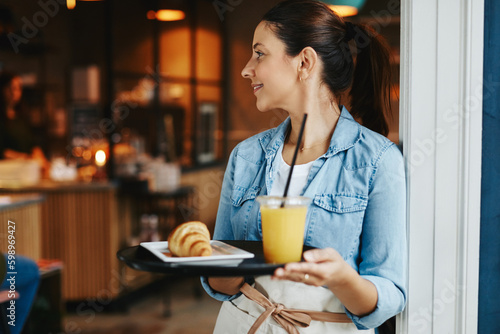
[[355, 278]]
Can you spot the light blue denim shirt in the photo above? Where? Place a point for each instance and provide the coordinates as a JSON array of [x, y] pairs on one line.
[[358, 206]]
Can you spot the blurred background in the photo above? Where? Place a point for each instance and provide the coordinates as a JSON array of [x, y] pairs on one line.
[[135, 106]]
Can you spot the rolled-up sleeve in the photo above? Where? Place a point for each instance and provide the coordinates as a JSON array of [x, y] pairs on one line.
[[383, 239], [220, 296]]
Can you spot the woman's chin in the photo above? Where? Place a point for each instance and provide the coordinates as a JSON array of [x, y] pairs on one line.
[[262, 107]]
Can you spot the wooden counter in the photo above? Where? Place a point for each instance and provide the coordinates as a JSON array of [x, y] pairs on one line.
[[85, 224], [25, 213], [79, 226]]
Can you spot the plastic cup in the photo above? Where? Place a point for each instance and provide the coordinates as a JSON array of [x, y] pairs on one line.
[[283, 227]]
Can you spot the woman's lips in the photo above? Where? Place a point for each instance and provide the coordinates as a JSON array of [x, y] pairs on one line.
[[256, 87]]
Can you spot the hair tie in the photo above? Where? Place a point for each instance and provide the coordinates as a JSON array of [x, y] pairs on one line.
[[350, 32]]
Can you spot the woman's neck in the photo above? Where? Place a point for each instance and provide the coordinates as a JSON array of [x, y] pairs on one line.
[[319, 127], [318, 132]]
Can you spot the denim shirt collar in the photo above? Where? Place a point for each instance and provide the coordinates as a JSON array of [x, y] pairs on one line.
[[347, 133]]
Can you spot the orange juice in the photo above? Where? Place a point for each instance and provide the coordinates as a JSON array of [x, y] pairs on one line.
[[283, 228]]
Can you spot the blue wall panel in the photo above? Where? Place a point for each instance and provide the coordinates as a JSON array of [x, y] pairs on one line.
[[489, 264]]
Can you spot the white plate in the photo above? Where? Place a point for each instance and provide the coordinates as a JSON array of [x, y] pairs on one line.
[[222, 254]]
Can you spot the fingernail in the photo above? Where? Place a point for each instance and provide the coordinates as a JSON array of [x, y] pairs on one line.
[[308, 256]]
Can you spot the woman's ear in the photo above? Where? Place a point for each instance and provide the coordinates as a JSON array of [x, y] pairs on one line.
[[308, 59]]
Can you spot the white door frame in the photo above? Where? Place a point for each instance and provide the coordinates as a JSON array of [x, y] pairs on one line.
[[440, 127]]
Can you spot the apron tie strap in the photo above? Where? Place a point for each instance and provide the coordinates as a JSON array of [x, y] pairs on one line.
[[287, 318]]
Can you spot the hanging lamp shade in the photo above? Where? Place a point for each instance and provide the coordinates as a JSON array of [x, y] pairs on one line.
[[71, 4], [345, 7], [166, 15]]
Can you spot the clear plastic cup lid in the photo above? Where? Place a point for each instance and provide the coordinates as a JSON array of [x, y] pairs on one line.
[[290, 201]]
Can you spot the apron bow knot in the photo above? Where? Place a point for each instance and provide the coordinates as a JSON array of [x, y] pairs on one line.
[[278, 308], [287, 318]]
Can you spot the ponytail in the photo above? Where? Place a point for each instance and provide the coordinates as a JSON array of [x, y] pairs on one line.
[[302, 23], [370, 92]]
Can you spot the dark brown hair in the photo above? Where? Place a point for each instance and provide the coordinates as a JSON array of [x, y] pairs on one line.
[[302, 23]]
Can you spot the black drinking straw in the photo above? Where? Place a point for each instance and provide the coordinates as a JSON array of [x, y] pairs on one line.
[[299, 140]]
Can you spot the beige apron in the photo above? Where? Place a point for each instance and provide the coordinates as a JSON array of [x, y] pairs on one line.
[[238, 316]]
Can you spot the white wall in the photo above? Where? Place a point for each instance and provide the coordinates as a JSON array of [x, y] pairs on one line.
[[441, 109]]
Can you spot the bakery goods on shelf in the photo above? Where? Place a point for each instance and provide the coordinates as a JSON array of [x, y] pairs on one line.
[[190, 239]]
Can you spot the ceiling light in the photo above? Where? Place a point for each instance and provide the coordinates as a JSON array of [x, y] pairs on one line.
[[166, 15], [344, 10], [345, 7], [72, 3]]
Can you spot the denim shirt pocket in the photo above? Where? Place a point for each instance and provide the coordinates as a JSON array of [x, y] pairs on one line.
[[245, 210], [340, 203], [241, 195], [336, 221]]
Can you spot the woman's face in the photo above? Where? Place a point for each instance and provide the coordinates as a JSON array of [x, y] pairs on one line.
[[273, 73]]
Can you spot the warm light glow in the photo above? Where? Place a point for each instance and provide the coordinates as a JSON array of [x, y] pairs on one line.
[[77, 151], [100, 158], [72, 3], [151, 15], [87, 154], [166, 15], [344, 10]]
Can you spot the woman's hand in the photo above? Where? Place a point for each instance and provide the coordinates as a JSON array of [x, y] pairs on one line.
[[326, 267], [321, 267]]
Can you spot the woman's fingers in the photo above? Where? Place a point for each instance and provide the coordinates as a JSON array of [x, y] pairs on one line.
[[320, 255], [319, 268], [296, 276]]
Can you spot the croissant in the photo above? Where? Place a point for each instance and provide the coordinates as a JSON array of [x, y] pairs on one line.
[[190, 239]]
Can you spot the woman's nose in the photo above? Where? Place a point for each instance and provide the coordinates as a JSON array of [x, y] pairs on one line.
[[248, 71]]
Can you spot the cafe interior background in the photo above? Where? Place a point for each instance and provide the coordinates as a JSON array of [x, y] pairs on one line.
[[137, 115]]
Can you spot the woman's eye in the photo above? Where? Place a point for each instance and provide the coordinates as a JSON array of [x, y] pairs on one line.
[[259, 54]]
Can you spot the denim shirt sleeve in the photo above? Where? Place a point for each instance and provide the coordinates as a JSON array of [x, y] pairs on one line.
[[383, 240]]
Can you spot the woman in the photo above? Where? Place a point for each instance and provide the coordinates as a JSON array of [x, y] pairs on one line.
[[302, 63], [16, 138]]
